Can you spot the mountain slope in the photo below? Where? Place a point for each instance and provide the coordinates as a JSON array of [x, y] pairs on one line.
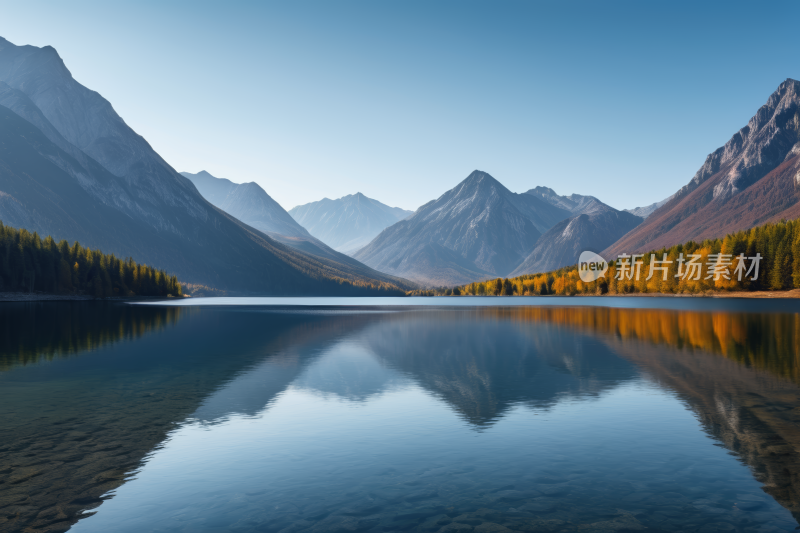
[[751, 180], [75, 170], [476, 230], [349, 223], [251, 204], [248, 202], [593, 226], [38, 194], [564, 242]]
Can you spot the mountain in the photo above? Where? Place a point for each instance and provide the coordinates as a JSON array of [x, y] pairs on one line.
[[593, 226], [478, 229], [73, 169], [349, 223], [753, 179], [574, 203], [562, 244], [252, 205], [248, 202], [647, 210]]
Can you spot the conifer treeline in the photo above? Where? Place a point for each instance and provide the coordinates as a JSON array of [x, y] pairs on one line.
[[779, 269], [30, 263]]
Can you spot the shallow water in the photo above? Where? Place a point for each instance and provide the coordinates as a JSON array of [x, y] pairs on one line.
[[313, 418]]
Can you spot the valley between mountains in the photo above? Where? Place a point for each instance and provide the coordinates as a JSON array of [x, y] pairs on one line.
[[70, 167]]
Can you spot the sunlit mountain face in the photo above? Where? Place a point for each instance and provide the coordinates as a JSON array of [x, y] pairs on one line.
[[375, 419]]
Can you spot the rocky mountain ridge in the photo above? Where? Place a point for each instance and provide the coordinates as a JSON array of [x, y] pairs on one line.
[[576, 204], [478, 228], [751, 180], [248, 202]]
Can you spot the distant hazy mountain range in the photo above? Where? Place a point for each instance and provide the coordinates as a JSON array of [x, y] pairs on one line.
[[252, 205], [647, 210], [70, 167], [480, 229], [575, 204], [753, 179], [349, 223]]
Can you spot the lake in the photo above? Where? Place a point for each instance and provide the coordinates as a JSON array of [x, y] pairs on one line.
[[408, 414]]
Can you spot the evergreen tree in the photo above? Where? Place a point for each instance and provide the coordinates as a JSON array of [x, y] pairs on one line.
[[30, 263]]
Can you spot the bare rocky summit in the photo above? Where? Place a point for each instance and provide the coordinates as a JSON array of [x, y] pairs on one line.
[[753, 179]]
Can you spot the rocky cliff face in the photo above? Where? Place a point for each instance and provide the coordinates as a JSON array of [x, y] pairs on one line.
[[348, 223], [477, 229], [757, 148], [751, 180], [75, 170]]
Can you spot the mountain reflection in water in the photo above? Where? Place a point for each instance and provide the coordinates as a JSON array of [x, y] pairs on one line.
[[140, 379]]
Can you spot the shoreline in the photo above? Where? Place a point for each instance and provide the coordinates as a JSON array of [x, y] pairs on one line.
[[47, 297], [43, 297]]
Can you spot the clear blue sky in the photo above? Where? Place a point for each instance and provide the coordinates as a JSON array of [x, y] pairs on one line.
[[402, 100]]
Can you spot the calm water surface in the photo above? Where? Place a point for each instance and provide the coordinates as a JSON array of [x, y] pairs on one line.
[[652, 415]]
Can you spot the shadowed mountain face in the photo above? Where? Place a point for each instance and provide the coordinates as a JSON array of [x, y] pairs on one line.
[[593, 226], [753, 179], [478, 229], [349, 223], [73, 169]]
